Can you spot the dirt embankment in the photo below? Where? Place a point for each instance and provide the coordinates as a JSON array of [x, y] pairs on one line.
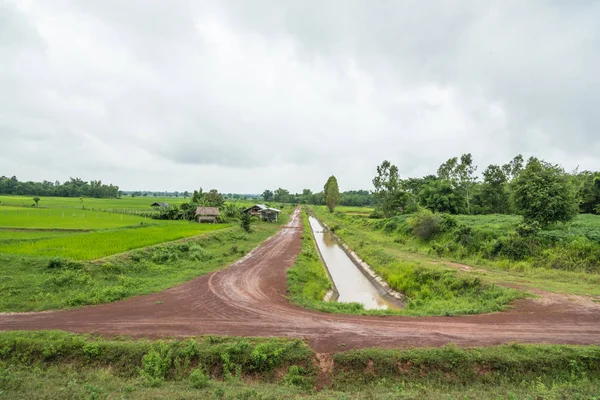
[[249, 299]]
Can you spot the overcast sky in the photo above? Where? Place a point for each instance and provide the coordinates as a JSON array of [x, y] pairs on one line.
[[243, 95]]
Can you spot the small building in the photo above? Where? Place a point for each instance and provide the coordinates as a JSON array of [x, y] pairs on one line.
[[263, 212], [207, 214], [256, 209], [160, 204]]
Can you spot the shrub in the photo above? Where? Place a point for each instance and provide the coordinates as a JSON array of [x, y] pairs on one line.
[[155, 365], [163, 255], [424, 224], [198, 379], [198, 253]]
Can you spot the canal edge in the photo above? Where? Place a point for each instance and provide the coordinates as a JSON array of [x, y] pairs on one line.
[[332, 294], [378, 282]]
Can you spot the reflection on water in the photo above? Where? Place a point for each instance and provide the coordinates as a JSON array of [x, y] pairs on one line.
[[351, 284]]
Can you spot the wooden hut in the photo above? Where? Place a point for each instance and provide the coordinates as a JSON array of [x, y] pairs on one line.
[[207, 214], [263, 212]]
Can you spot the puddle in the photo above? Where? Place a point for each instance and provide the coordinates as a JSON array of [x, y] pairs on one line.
[[350, 282]]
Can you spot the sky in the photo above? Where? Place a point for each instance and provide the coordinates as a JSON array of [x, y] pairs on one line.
[[243, 96]]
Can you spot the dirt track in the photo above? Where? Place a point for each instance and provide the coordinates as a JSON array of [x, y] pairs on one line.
[[248, 299]]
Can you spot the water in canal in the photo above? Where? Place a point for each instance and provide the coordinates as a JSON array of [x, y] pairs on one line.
[[350, 282]]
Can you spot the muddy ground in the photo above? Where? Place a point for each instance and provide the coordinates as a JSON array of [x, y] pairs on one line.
[[249, 299]]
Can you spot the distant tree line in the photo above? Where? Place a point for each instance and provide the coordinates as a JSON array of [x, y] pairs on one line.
[[540, 191], [74, 187], [359, 198]]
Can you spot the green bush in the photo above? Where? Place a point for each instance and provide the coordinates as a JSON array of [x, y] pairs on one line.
[[155, 365], [198, 253], [198, 379], [424, 224]]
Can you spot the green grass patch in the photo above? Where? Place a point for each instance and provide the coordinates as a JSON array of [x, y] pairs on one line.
[[65, 218], [58, 365], [41, 283], [94, 245], [7, 235]]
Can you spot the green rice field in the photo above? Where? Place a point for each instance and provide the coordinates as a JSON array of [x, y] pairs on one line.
[[64, 218], [132, 203], [94, 245]]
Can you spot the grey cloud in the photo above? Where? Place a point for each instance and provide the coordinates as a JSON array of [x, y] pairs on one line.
[[292, 91]]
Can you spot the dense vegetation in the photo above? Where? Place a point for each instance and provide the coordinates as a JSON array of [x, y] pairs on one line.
[[58, 365], [75, 187], [540, 191]]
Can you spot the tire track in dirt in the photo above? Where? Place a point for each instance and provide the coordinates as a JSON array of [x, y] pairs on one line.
[[249, 299]]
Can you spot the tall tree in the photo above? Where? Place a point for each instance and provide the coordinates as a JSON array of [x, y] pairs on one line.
[[332, 193], [495, 196], [281, 195], [267, 195], [544, 193], [461, 175], [388, 189]]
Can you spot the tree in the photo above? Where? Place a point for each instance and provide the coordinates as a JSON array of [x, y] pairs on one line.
[[213, 198], [513, 168], [589, 191], [439, 196], [332, 193], [186, 194], [461, 175], [267, 196], [198, 196], [543, 193], [388, 191], [36, 200], [281, 195], [495, 197], [245, 221]]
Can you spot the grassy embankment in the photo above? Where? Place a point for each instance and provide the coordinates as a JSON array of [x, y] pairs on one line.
[[429, 291], [46, 260], [563, 259], [58, 365]]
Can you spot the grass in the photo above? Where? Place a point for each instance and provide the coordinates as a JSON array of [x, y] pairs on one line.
[[430, 288], [40, 283], [56, 218], [544, 271], [127, 202], [9, 235], [94, 245], [57, 365]]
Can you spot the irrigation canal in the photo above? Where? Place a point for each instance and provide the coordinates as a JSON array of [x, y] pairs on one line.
[[352, 285]]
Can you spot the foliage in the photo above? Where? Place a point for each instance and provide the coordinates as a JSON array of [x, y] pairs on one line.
[[74, 187], [332, 193], [424, 224], [198, 379], [461, 175], [543, 193], [495, 195], [245, 221], [155, 365], [388, 191], [512, 371], [439, 196]]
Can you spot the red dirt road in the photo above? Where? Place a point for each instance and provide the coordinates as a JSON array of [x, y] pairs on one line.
[[249, 299]]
